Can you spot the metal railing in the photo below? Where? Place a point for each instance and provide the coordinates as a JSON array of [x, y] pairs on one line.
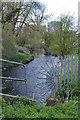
[[14, 79]]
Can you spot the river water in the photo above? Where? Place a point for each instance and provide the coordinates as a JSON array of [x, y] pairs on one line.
[[35, 87]]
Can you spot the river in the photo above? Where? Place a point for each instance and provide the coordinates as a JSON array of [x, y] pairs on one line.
[[35, 88]]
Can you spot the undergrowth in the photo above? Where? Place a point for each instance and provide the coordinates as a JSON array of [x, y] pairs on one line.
[[22, 109]]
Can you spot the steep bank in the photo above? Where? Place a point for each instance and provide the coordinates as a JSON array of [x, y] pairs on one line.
[[23, 56]]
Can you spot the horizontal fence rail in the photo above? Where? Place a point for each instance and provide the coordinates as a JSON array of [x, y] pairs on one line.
[[14, 79], [12, 96], [12, 62]]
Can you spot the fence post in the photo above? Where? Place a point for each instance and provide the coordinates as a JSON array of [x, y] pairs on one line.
[[58, 71], [72, 69], [75, 65], [24, 72], [64, 69], [68, 70], [61, 71]]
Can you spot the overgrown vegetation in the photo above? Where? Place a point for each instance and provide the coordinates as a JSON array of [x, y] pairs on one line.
[[21, 51], [63, 40], [70, 86], [22, 58], [23, 109], [29, 31], [73, 90]]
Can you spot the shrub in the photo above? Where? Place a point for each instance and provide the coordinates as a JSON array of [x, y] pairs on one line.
[[27, 45], [21, 109], [20, 50], [22, 58]]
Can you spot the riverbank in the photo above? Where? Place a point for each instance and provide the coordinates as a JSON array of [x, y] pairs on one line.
[[23, 56]]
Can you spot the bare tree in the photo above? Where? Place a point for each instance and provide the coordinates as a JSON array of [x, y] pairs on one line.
[[16, 13], [38, 16]]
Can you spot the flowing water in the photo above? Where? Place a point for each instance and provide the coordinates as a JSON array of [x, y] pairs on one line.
[[34, 88]]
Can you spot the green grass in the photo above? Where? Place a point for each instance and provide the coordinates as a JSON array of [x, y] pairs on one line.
[[73, 92], [22, 58], [27, 46], [22, 109]]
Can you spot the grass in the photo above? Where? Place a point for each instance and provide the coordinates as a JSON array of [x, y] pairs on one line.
[[27, 46], [22, 58]]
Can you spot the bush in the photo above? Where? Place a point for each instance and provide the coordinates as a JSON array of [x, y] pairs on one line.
[[27, 45], [21, 109], [20, 50], [22, 58]]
